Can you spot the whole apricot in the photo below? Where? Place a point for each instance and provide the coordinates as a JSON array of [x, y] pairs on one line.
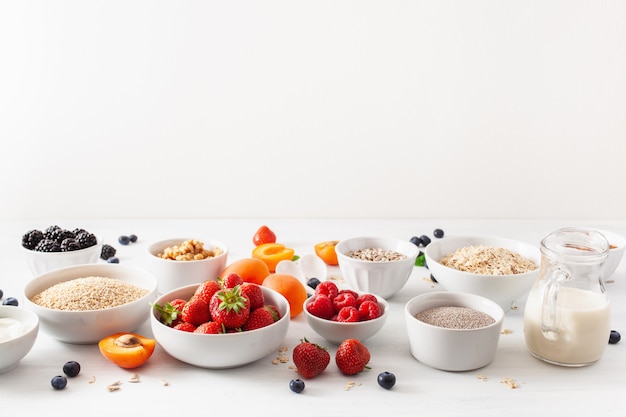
[[127, 350], [249, 269]]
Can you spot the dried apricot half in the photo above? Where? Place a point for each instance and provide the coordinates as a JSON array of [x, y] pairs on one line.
[[127, 350]]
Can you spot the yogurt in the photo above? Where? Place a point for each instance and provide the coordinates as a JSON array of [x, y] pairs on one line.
[[10, 329]]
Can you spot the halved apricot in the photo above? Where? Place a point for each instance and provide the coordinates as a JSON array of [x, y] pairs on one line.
[[272, 254], [127, 350], [326, 251]]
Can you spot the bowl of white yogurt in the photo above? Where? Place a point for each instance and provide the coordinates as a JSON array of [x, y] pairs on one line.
[[18, 331]]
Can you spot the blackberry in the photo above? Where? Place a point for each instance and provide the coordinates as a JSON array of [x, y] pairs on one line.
[[69, 244], [48, 245], [64, 234], [30, 239], [78, 231], [107, 252], [52, 232], [86, 240]]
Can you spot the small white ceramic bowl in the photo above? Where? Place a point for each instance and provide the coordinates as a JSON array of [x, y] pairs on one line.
[[19, 337], [220, 351], [453, 349], [88, 327], [42, 262], [336, 332], [384, 279], [171, 274], [505, 290], [616, 253]]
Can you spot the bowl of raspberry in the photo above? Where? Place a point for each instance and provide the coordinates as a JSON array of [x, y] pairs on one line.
[[340, 314]]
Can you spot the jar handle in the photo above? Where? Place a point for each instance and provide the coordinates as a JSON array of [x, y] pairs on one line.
[[550, 296]]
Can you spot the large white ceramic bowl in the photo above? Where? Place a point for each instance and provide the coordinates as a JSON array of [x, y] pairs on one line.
[[172, 274], [453, 349], [87, 327], [384, 279], [336, 332], [617, 244], [42, 262], [220, 351], [17, 338], [506, 290]]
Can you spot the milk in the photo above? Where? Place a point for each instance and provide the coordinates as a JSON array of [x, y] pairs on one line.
[[582, 323]]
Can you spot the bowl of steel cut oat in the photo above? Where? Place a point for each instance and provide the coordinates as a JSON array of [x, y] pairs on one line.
[[500, 269], [84, 303], [377, 265]]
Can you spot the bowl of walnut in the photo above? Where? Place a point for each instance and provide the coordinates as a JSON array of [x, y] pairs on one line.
[[178, 262]]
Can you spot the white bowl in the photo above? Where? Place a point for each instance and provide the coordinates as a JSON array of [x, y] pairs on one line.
[[42, 262], [453, 349], [384, 279], [505, 290], [336, 332], [616, 253], [20, 344], [87, 327], [171, 274], [220, 351]]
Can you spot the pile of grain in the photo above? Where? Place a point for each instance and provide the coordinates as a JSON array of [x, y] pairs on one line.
[[89, 293], [488, 260], [452, 317]]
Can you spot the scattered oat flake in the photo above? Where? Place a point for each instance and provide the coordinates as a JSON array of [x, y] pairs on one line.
[[482, 377], [610, 281], [114, 386], [510, 382], [164, 382], [282, 357], [514, 307], [335, 278], [92, 380], [134, 378], [506, 331]]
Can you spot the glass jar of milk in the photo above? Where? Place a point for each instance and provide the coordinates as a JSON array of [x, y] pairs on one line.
[[567, 315]]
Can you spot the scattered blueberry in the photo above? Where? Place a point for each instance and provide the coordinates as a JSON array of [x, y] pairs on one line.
[[10, 301], [614, 337], [424, 240], [313, 282], [415, 240], [71, 368], [1, 294], [386, 380], [296, 385], [124, 240], [438, 233], [58, 382], [132, 238], [113, 260]]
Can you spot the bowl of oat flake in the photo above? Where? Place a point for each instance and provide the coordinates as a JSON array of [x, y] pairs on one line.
[[85, 303]]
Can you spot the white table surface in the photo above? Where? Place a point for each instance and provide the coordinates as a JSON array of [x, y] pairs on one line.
[[263, 386]]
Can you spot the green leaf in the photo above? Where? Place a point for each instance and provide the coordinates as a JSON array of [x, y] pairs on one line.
[[420, 260]]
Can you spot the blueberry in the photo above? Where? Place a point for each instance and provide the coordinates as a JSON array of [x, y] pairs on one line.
[[10, 301], [313, 282], [296, 385], [386, 380], [424, 240], [71, 368], [58, 382], [432, 278], [132, 238], [438, 233], [124, 240], [113, 260], [1, 294], [415, 240], [614, 337]]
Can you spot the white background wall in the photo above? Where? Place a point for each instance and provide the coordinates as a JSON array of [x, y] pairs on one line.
[[508, 109]]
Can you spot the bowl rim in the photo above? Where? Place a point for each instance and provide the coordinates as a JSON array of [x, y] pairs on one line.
[[165, 243], [383, 316], [413, 253]]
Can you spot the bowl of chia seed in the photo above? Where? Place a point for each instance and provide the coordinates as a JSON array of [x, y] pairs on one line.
[[453, 331]]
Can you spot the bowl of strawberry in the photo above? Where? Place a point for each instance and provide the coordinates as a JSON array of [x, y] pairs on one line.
[[340, 314], [220, 325]]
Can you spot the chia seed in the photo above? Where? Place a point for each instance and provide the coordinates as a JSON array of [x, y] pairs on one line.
[[451, 317]]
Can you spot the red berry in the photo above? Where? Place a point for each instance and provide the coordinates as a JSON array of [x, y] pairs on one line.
[[195, 311], [310, 359], [352, 357], [321, 306], [343, 299], [365, 297], [369, 310], [254, 294], [206, 290], [229, 308], [231, 280], [348, 314], [263, 235], [210, 327], [327, 288], [185, 327]]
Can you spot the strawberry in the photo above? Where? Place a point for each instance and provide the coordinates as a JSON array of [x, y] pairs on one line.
[[261, 317], [230, 281], [185, 327], [206, 289], [321, 306], [170, 312], [210, 327], [348, 314], [311, 359], [229, 307], [195, 311], [369, 310], [328, 288], [352, 357], [343, 299], [254, 294], [263, 235]]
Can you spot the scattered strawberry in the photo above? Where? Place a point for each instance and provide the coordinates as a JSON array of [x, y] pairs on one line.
[[254, 294], [185, 327], [263, 235], [321, 306], [328, 288], [210, 327], [231, 281], [230, 308], [343, 299], [348, 314], [369, 310], [206, 289], [352, 357], [195, 311], [261, 317], [311, 359]]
